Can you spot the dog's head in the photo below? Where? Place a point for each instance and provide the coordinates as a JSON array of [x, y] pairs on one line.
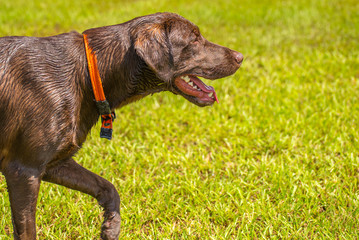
[[175, 50]]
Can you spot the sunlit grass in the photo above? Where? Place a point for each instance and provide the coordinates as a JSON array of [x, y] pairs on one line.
[[277, 158]]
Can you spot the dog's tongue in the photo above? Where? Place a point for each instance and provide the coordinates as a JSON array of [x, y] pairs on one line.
[[193, 86], [204, 87]]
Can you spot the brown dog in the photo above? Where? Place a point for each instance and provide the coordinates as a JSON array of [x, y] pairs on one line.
[[47, 105]]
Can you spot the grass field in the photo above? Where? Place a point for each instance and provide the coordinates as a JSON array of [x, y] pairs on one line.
[[276, 159]]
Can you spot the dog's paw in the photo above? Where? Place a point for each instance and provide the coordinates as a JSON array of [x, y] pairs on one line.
[[110, 229]]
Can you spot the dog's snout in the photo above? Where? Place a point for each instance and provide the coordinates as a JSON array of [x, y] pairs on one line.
[[238, 57]]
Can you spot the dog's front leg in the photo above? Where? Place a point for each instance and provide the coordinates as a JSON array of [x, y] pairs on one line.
[[70, 174], [23, 185]]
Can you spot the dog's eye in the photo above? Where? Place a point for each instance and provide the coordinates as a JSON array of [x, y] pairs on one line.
[[196, 36], [196, 40]]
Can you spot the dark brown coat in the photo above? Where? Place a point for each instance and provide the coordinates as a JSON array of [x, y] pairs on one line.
[[47, 106]]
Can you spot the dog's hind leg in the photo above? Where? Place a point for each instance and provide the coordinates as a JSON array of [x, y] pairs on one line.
[[70, 174], [23, 185]]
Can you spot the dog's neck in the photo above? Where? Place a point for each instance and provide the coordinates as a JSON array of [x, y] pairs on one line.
[[128, 80], [125, 76]]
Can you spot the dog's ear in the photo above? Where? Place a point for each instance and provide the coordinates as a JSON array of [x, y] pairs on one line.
[[152, 45]]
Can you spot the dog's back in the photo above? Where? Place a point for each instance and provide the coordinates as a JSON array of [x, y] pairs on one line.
[[38, 87]]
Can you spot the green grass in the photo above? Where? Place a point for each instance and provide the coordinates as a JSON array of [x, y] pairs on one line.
[[276, 159]]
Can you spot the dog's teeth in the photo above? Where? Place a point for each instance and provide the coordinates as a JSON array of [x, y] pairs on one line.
[[186, 79], [210, 94], [195, 87], [191, 84]]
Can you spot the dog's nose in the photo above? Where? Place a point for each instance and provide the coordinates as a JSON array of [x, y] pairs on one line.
[[238, 56]]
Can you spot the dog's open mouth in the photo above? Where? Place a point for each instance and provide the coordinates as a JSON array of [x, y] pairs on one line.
[[192, 86]]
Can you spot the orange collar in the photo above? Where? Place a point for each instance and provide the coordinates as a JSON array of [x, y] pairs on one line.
[[102, 104]]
